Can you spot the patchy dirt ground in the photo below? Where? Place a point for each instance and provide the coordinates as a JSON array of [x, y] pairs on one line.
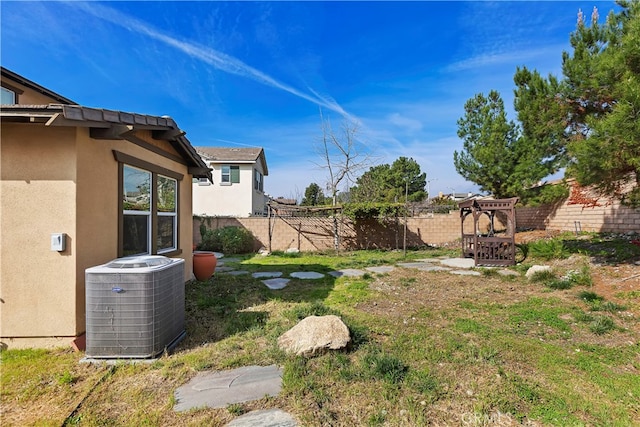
[[619, 283], [406, 298], [407, 291]]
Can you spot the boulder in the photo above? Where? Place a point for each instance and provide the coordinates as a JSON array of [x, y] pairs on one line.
[[315, 335], [536, 269], [292, 251]]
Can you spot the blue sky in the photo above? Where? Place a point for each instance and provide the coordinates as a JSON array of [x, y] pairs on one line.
[[256, 74]]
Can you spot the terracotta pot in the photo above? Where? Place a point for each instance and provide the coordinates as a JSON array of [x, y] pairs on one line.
[[204, 264]]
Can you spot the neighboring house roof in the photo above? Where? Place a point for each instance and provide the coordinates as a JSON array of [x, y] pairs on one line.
[[110, 124], [35, 86], [234, 155], [283, 201]]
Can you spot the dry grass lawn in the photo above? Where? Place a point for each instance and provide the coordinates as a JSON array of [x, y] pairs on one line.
[[431, 348]]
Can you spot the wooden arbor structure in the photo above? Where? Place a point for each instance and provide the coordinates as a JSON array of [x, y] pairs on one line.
[[489, 249]]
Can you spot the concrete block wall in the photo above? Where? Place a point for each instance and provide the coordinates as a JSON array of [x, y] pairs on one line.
[[582, 210], [316, 234]]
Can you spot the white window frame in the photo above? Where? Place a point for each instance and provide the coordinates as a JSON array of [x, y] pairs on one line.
[[173, 214], [126, 160], [226, 174], [147, 214]]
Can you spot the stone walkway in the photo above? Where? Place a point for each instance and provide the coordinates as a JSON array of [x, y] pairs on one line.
[[220, 389], [274, 281]]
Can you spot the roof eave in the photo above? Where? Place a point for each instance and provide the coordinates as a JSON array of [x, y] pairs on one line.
[[110, 124]]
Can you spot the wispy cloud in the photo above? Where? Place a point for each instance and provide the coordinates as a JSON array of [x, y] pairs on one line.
[[215, 58], [511, 57], [411, 125]]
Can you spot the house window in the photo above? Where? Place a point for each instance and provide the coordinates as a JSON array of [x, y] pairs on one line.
[[258, 183], [136, 211], [230, 174], [167, 191], [149, 206], [7, 97]]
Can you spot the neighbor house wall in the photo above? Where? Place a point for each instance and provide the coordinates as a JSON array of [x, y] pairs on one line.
[[225, 199], [258, 201], [38, 186], [236, 199]]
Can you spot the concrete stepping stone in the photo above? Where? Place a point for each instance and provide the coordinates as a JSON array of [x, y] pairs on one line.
[[381, 269], [459, 262], [465, 272], [422, 266], [238, 272], [218, 255], [264, 418], [224, 269], [223, 388], [429, 260], [306, 275], [230, 259], [261, 274], [434, 268], [349, 272], [276, 284], [414, 264]]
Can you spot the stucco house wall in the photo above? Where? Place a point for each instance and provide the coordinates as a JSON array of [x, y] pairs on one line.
[[60, 179], [38, 198], [240, 199], [223, 199]]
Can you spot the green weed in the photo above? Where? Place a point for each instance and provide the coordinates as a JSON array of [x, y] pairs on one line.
[[581, 277], [608, 306], [236, 409], [66, 378], [559, 284], [601, 325], [589, 296], [548, 249]]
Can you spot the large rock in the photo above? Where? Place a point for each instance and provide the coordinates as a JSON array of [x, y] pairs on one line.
[[536, 269], [314, 335]]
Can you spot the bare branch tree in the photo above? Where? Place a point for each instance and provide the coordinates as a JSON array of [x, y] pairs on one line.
[[342, 155]]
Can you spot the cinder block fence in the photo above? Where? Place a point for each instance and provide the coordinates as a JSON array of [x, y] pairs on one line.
[[316, 234]]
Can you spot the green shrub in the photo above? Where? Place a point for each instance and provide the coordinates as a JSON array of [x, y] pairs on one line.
[[228, 240], [548, 249]]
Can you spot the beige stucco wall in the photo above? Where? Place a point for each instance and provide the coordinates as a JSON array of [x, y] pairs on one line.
[[237, 200], [38, 198], [59, 180]]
